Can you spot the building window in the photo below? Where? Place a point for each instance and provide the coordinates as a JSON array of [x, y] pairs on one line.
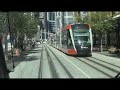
[[52, 16], [65, 13], [65, 21], [70, 13], [70, 20], [58, 14]]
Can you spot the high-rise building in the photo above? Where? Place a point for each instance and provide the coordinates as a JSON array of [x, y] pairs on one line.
[[51, 21], [65, 19], [68, 18]]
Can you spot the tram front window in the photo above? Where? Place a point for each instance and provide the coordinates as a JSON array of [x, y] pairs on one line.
[[81, 39]]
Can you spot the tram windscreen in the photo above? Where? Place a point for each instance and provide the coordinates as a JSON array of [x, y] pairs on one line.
[[80, 28], [81, 33], [81, 39]]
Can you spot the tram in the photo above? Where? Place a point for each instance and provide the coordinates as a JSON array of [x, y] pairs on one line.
[[74, 39]]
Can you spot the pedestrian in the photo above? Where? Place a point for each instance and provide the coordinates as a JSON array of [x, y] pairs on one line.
[[22, 48]]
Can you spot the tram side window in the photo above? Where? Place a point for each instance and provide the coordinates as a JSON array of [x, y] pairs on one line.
[[69, 41], [64, 38]]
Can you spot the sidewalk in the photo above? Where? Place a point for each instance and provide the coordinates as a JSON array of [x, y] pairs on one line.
[[29, 65], [106, 53], [16, 61]]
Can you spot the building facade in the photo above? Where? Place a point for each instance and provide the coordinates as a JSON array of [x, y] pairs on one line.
[[64, 18], [50, 22]]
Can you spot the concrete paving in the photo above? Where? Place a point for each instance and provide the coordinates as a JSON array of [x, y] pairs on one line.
[[64, 66], [28, 68]]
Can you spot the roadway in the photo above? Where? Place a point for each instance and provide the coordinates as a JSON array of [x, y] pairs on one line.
[[48, 62]]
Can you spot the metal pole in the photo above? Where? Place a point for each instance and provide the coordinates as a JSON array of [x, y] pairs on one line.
[[61, 26], [10, 38], [101, 45], [105, 40], [45, 34], [48, 34], [41, 34], [45, 24]]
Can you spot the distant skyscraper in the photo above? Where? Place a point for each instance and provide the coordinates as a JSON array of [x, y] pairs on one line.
[[51, 21], [54, 20], [68, 19]]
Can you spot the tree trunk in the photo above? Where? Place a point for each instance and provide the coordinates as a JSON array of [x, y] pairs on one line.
[[6, 48], [108, 39], [101, 47], [117, 38], [105, 40], [94, 39], [17, 39], [25, 42]]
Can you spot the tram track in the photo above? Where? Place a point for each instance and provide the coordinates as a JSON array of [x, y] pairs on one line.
[[106, 68], [40, 67], [62, 65], [98, 69], [116, 71], [53, 70], [100, 65], [83, 61], [106, 62]]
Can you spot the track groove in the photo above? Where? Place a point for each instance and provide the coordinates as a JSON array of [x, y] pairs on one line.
[[105, 62], [95, 68], [103, 65], [52, 67], [40, 68], [68, 73]]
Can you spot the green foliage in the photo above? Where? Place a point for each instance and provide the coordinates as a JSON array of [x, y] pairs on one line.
[[2, 21], [78, 17], [21, 24], [32, 28], [102, 21]]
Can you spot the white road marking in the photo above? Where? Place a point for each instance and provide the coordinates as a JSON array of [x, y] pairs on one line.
[[75, 66]]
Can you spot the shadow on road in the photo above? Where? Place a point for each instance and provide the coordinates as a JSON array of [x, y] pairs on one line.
[[77, 55], [109, 54], [81, 56], [22, 58], [114, 55], [31, 58]]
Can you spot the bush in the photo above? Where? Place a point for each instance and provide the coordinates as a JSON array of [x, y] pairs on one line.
[[113, 50]]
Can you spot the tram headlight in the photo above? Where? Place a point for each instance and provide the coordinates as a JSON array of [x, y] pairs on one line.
[[79, 42], [83, 47]]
